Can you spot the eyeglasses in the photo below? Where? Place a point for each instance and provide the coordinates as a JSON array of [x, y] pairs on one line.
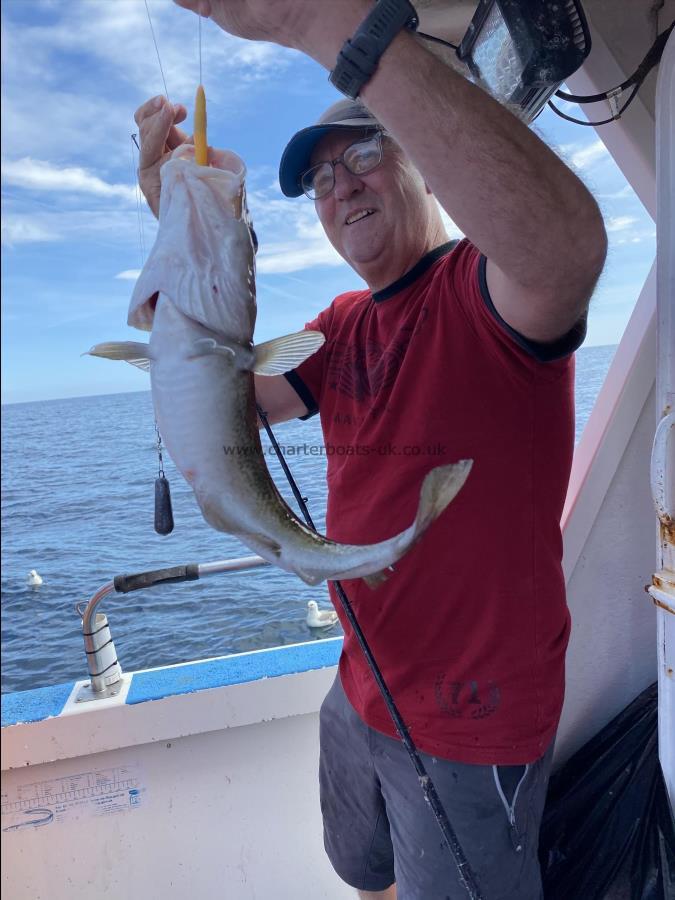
[[359, 158]]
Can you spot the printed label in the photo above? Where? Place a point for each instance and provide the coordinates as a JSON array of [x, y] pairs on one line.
[[102, 792]]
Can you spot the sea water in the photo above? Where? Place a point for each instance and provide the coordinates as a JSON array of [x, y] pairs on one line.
[[78, 506]]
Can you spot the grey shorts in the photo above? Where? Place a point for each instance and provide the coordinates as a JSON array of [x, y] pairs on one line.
[[378, 828]]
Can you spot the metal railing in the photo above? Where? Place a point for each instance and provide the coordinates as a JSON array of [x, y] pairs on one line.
[[105, 672]]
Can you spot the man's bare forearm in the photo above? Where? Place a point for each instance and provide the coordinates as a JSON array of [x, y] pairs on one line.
[[503, 187], [506, 190]]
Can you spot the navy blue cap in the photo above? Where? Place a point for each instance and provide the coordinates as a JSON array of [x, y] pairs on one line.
[[343, 115]]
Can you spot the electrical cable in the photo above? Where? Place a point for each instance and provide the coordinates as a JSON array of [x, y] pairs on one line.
[[651, 59], [436, 40]]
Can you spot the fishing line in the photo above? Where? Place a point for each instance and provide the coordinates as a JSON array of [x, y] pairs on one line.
[[137, 194], [152, 31], [466, 875], [163, 509], [164, 523], [200, 48]]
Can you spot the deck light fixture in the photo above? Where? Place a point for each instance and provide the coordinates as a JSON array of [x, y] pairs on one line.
[[521, 51]]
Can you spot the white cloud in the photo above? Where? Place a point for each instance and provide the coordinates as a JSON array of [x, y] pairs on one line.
[[290, 235], [74, 73], [117, 36], [128, 274], [638, 238], [109, 226], [629, 230], [26, 230], [282, 258], [622, 194], [36, 174], [69, 126], [619, 223], [583, 157]]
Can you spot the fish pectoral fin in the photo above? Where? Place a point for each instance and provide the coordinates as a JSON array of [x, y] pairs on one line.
[[286, 353], [242, 357], [134, 352], [271, 358]]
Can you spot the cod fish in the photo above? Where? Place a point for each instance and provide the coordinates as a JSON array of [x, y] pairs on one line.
[[196, 294]]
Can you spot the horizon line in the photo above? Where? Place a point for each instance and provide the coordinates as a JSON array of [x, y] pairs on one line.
[[147, 390]]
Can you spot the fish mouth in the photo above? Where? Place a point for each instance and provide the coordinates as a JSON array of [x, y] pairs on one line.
[[357, 215]]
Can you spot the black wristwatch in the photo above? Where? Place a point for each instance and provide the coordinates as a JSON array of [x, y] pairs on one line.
[[358, 58]]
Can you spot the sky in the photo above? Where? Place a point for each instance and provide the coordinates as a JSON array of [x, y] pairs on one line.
[[74, 234]]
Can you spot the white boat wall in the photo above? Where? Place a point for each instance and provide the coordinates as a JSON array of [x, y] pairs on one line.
[[200, 780]]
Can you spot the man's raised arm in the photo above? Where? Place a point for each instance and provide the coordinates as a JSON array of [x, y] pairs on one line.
[[277, 399], [509, 193]]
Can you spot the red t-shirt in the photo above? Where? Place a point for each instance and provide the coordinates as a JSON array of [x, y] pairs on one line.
[[470, 630]]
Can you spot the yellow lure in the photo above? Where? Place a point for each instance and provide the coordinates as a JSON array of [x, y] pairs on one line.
[[201, 145]]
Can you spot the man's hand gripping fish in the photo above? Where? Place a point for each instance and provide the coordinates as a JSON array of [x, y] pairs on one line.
[[201, 361]]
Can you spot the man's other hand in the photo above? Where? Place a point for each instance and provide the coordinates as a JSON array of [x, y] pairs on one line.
[[156, 120]]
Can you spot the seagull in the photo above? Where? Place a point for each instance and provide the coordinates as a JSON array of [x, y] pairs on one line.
[[320, 618], [33, 579]]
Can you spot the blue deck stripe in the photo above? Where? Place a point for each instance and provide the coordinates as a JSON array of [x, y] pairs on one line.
[[33, 706], [233, 670], [44, 702]]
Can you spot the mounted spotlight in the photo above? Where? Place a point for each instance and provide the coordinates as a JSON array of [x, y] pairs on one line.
[[522, 50]]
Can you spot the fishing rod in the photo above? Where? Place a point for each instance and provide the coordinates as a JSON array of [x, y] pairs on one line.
[[466, 875], [465, 872]]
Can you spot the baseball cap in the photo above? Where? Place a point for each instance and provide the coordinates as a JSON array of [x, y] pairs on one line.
[[296, 157]]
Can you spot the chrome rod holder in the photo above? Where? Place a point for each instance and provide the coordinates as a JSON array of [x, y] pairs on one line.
[[104, 669]]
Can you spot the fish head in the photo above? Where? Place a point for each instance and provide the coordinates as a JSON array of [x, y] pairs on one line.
[[203, 259]]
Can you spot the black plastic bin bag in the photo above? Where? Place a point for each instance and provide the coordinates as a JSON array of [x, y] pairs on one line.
[[608, 830]]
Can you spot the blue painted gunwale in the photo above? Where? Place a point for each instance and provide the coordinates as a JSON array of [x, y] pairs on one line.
[[155, 684]]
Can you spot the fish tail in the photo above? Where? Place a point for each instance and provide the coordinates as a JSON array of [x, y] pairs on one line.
[[373, 563], [439, 488]]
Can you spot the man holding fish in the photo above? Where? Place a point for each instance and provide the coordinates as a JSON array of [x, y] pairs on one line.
[[465, 348]]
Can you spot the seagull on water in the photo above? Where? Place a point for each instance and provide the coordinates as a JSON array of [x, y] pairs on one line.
[[33, 579], [320, 618]]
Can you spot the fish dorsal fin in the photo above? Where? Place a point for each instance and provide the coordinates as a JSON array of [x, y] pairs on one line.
[[135, 353], [286, 353]]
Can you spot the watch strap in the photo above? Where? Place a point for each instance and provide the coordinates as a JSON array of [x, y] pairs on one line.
[[359, 56]]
